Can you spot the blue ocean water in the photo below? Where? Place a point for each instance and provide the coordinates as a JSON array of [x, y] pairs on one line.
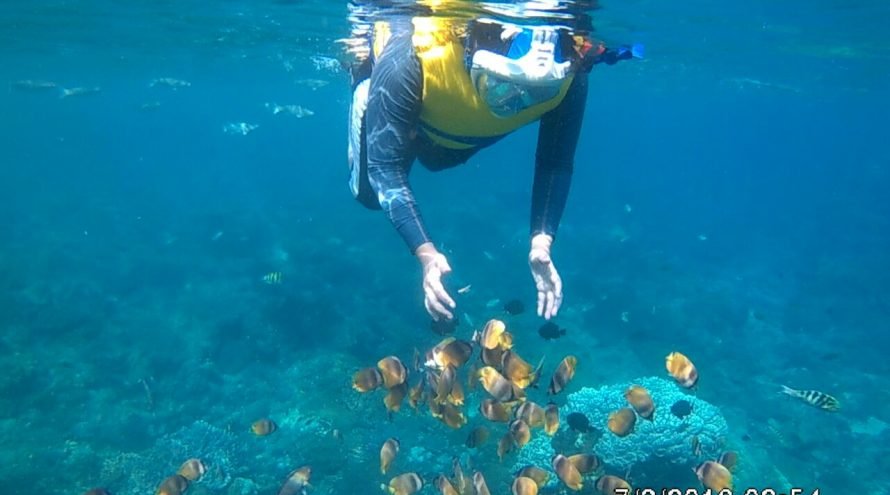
[[729, 202]]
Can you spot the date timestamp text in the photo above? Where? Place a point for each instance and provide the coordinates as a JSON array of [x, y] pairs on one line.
[[708, 491]]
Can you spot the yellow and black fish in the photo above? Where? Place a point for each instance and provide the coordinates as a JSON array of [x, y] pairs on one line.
[[272, 278], [192, 469], [639, 398], [551, 419], [585, 463], [445, 487], [610, 485], [449, 351], [696, 446], [394, 397], [263, 427], [404, 484], [477, 437], [457, 397], [520, 432], [297, 481], [492, 335], [563, 375], [452, 416], [814, 398], [714, 476], [505, 446], [493, 410], [479, 484], [393, 371], [388, 452], [499, 387], [567, 472], [518, 371], [462, 483], [524, 486], [729, 460], [681, 368], [367, 379], [622, 421], [173, 485], [540, 476], [531, 413]]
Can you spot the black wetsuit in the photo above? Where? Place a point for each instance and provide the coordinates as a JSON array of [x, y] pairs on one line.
[[394, 142]]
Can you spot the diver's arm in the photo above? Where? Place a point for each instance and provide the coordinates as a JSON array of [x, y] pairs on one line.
[[555, 158], [392, 117]]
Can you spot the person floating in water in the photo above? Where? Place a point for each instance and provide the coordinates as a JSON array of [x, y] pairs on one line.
[[439, 91]]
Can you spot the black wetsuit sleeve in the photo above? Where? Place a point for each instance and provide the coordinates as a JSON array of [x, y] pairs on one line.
[[392, 116], [555, 158]]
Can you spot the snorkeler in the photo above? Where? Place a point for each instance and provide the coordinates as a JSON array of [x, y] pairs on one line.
[[438, 92]]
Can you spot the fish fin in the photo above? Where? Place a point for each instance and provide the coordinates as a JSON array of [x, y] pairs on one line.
[[536, 374]]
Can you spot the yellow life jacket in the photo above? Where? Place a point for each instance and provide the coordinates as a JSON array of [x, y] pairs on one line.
[[452, 114]]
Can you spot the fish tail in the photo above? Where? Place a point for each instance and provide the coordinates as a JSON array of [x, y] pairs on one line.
[[790, 391]]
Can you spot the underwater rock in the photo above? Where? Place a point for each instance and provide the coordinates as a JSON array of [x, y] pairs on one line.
[[665, 439]]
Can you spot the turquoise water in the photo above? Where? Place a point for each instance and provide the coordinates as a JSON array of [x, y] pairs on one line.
[[729, 202]]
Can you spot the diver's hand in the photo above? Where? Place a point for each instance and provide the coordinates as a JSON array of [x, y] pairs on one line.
[[436, 299], [546, 277]]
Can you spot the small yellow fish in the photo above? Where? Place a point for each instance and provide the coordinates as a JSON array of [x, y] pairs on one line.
[[272, 278], [567, 472], [173, 485], [639, 398], [563, 375], [263, 427], [681, 368], [622, 421], [192, 469], [388, 453], [714, 476], [612, 484], [297, 481], [477, 437]]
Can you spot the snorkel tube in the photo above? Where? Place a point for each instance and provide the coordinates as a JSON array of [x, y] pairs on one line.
[[599, 54]]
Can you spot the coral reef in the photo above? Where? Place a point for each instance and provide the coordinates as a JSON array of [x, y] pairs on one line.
[[665, 440], [140, 473]]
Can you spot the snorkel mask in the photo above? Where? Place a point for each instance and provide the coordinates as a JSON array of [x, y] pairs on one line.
[[531, 72]]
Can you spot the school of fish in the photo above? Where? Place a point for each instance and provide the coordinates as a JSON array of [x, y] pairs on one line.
[[435, 381]]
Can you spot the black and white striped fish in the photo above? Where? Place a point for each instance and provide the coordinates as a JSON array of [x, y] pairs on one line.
[[814, 398]]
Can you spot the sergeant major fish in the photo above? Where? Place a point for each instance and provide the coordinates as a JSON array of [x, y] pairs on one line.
[[814, 398]]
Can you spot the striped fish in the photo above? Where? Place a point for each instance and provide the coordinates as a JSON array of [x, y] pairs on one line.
[[814, 398]]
